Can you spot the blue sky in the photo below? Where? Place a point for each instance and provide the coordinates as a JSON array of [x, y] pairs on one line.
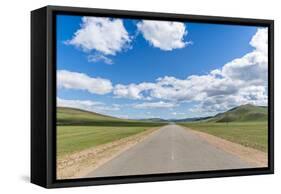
[[147, 68]]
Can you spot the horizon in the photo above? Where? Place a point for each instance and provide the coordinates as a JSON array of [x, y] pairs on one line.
[[167, 119], [135, 69]]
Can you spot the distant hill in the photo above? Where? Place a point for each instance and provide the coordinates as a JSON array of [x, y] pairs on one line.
[[189, 119], [247, 112], [243, 113], [73, 116], [67, 115], [174, 120], [154, 120]]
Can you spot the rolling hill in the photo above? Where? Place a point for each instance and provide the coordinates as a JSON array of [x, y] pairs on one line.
[[73, 116], [243, 113], [246, 125], [154, 120], [78, 129], [189, 119]]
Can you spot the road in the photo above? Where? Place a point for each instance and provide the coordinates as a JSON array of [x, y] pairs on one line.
[[170, 149]]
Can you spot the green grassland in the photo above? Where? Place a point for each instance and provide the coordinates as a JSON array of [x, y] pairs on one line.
[[246, 125], [251, 134], [78, 130]]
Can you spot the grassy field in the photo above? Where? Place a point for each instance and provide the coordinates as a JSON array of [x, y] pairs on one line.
[[78, 130], [245, 124], [251, 134]]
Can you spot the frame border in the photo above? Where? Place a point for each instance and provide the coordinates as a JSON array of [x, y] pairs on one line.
[[52, 11]]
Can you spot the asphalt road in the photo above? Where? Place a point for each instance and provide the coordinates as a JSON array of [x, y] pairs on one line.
[[170, 149]]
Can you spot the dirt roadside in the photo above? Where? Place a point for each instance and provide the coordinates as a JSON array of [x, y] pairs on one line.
[[79, 164], [253, 156]]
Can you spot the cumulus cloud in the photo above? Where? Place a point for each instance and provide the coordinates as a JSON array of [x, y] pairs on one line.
[[133, 91], [256, 95], [80, 81], [164, 35], [240, 81], [105, 35], [153, 105], [76, 103], [99, 57], [250, 67], [127, 91], [253, 65], [178, 113], [260, 40], [247, 77], [165, 88]]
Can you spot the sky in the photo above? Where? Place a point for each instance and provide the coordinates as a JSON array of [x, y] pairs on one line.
[[159, 69]]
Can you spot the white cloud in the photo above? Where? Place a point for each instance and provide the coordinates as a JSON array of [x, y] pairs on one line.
[[153, 105], [252, 66], [240, 81], [256, 95], [79, 81], [76, 103], [99, 57], [260, 40], [166, 88], [105, 35], [164, 35], [130, 91], [178, 113]]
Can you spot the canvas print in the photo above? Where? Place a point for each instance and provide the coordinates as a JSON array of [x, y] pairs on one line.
[[138, 97]]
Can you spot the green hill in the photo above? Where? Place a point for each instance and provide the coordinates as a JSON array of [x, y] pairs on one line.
[[78, 129], [245, 124], [242, 113], [76, 116], [73, 116]]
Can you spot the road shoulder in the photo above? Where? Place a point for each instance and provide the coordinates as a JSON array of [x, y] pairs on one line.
[[253, 156]]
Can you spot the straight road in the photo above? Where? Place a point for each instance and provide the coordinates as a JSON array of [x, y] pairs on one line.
[[170, 149]]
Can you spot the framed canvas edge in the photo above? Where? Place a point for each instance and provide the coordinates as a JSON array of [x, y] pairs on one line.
[[52, 182]]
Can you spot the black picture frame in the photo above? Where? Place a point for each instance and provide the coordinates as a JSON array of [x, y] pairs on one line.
[[43, 96]]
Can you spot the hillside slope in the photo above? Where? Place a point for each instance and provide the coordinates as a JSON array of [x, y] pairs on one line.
[[242, 113], [73, 116]]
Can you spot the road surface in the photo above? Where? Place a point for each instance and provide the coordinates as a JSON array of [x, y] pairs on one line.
[[170, 149]]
